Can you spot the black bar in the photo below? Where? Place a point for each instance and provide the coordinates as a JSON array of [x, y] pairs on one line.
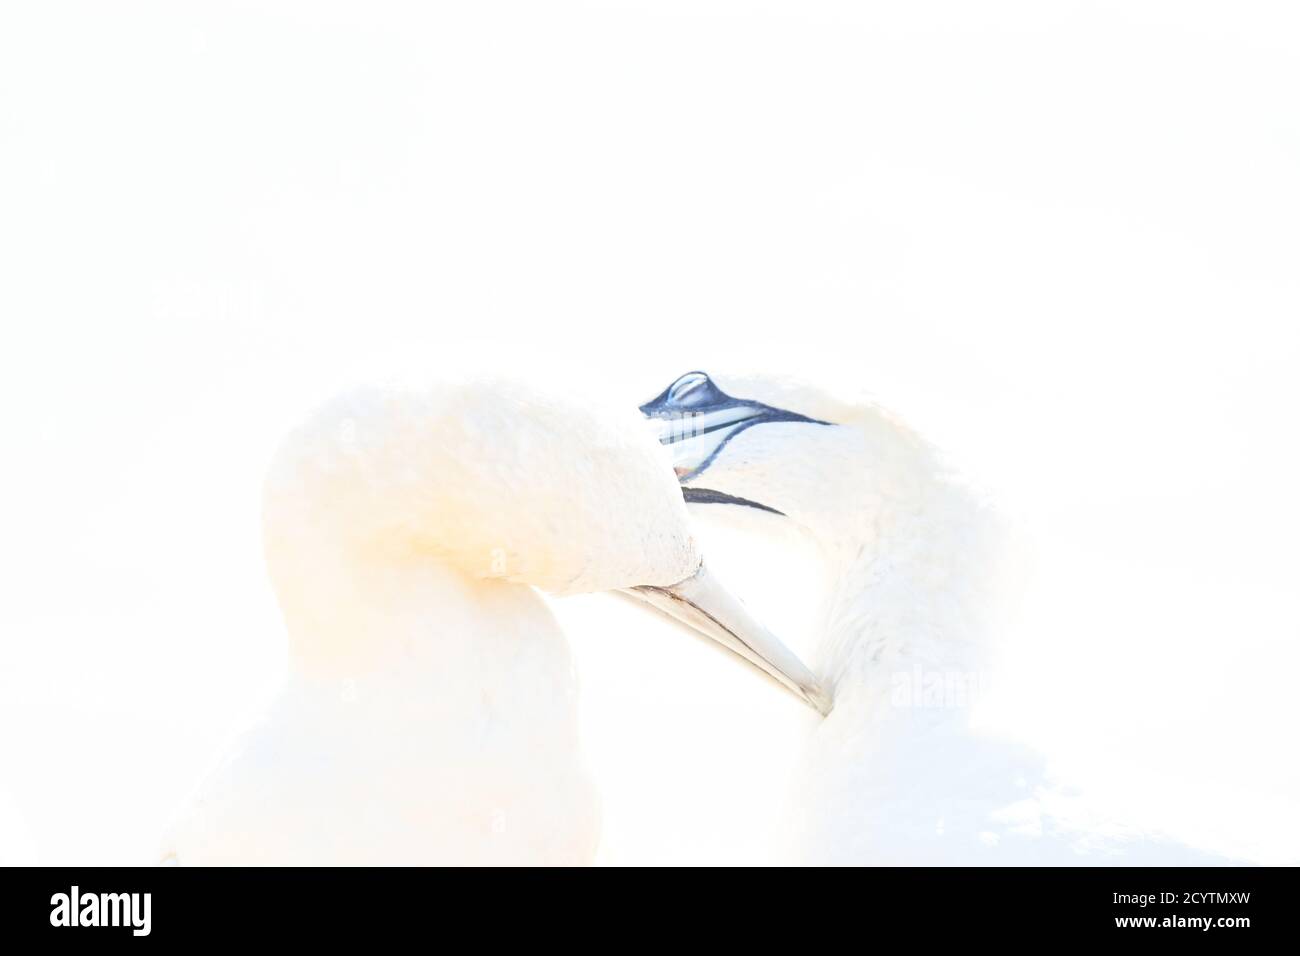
[[677, 908]]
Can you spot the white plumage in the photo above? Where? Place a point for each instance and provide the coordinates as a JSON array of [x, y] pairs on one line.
[[429, 714], [922, 581]]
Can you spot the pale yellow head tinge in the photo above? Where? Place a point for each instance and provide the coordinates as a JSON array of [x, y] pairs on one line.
[[495, 479]]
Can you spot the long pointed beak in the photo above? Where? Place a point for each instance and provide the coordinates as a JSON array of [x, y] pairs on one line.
[[705, 605]]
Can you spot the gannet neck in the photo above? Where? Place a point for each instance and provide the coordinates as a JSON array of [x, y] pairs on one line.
[[912, 605], [914, 566], [445, 731], [914, 559]]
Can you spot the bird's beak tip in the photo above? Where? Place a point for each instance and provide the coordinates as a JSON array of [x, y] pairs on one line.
[[700, 602], [821, 701]]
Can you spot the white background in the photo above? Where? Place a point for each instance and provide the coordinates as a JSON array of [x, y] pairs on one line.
[[1061, 238]]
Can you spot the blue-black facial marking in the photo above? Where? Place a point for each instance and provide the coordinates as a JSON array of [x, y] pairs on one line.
[[707, 496], [695, 394], [702, 408]]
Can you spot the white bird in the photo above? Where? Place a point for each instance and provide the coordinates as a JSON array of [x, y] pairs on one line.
[[918, 590], [429, 712]]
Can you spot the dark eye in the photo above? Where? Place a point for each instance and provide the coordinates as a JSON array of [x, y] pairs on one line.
[[690, 393], [681, 389]]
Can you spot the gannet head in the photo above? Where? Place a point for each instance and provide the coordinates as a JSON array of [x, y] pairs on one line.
[[780, 448], [505, 481]]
